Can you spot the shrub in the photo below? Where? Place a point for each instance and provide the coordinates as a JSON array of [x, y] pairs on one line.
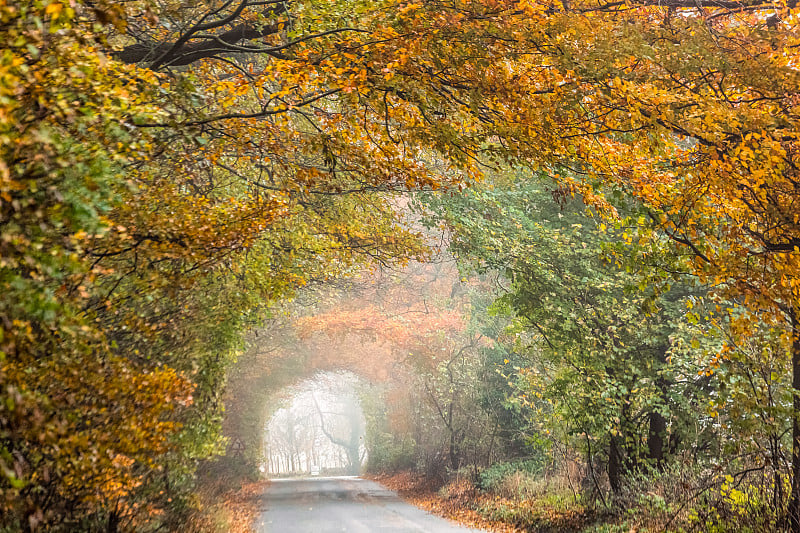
[[491, 479]]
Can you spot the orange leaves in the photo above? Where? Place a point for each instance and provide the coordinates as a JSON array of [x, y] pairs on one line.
[[155, 215], [408, 9], [239, 507], [459, 505], [410, 330], [94, 450], [54, 8], [271, 169], [694, 131]]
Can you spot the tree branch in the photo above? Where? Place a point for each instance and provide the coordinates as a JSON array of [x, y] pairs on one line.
[[182, 52]]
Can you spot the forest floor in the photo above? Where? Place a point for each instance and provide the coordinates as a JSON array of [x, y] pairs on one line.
[[455, 506], [243, 506], [234, 509], [461, 502]]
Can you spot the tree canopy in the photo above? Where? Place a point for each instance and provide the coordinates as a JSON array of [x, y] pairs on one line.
[[172, 170]]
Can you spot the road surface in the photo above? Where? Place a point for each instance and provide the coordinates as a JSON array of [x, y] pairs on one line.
[[327, 505]]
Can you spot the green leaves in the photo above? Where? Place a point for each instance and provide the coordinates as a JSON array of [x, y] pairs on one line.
[[589, 308]]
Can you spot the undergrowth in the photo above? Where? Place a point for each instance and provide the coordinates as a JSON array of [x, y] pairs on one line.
[[681, 498], [228, 498]]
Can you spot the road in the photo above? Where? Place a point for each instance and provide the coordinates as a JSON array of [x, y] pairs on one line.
[[354, 505]]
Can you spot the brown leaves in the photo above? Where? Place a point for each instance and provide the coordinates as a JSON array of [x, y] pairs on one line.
[[458, 504], [237, 508], [96, 428]]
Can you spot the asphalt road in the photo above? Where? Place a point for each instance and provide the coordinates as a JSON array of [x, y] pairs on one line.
[[326, 505]]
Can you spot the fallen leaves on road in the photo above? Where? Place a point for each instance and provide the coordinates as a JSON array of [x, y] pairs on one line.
[[244, 506], [233, 510], [461, 502]]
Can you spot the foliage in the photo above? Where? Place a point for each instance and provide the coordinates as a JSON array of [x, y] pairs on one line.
[[664, 332], [137, 242], [390, 450], [81, 424], [171, 171], [603, 343], [444, 407], [690, 109], [492, 477]]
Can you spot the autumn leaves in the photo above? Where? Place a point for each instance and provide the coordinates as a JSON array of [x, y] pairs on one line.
[[151, 210]]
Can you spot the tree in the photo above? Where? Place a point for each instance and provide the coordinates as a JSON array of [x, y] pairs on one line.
[[168, 169], [691, 108], [441, 405], [352, 438], [66, 452], [602, 342], [138, 241]]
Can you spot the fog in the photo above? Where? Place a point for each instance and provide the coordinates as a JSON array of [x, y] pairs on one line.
[[320, 429]]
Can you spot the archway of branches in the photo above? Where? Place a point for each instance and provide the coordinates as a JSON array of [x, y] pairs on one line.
[[293, 405], [369, 339]]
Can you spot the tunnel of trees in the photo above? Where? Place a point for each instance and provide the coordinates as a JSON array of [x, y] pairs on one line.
[[554, 238]]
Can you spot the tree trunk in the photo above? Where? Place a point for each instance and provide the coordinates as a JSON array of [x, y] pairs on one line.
[[184, 51], [455, 457], [615, 464], [353, 458], [655, 439], [775, 461], [657, 431], [113, 522], [793, 514]]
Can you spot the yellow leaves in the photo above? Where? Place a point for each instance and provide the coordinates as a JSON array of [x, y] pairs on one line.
[[54, 8], [96, 451], [122, 461], [408, 10], [23, 327]]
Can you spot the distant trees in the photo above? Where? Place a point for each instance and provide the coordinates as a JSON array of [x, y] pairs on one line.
[[345, 428], [442, 407], [322, 417]]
